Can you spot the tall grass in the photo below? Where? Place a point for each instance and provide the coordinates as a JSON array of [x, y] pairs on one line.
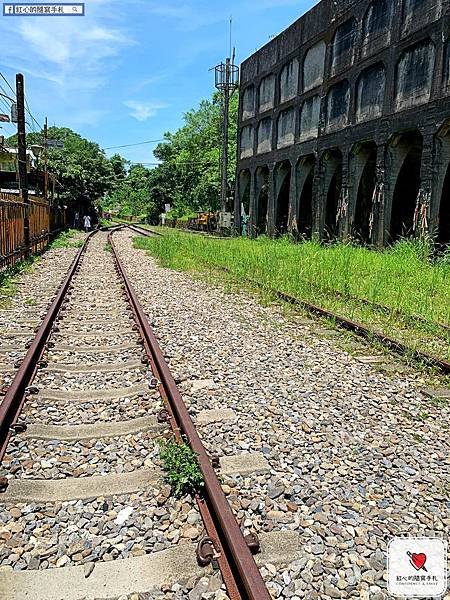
[[401, 278]]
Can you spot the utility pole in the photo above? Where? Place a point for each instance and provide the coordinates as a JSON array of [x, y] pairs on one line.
[[22, 160], [46, 160], [227, 82]]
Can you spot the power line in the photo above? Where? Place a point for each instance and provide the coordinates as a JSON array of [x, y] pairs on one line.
[[31, 115], [136, 144], [8, 84]]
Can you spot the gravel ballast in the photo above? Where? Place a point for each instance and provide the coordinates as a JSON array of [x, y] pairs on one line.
[[356, 456]]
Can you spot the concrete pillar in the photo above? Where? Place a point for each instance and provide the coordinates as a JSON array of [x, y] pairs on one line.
[[318, 200], [343, 207], [378, 216], [441, 163], [271, 202], [292, 219], [253, 217], [422, 214]]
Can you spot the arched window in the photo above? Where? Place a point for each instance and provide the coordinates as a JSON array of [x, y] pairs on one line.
[[414, 75], [338, 101], [286, 128], [265, 136], [309, 118], [247, 136], [377, 18], [343, 43], [289, 81], [370, 93], [314, 66], [267, 93], [248, 102]]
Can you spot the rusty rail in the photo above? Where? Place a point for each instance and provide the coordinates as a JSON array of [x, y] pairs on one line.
[[238, 553], [14, 399], [353, 326]]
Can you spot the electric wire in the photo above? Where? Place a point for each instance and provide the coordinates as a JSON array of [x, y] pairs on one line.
[[135, 144]]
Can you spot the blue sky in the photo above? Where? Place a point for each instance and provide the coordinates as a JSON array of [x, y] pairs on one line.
[[128, 70]]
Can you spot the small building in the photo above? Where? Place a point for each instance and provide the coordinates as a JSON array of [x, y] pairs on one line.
[[344, 124]]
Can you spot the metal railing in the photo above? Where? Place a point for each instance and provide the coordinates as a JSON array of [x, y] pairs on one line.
[[45, 221]]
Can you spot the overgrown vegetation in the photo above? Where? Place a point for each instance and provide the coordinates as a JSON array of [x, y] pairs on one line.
[[8, 278], [181, 466], [187, 176], [349, 280], [65, 240]]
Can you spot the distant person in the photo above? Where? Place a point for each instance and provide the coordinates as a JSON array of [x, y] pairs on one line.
[[87, 223], [76, 221]]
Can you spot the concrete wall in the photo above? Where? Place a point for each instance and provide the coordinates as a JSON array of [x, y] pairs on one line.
[[365, 80]]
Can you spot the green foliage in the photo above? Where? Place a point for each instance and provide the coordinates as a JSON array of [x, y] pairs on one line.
[[8, 277], [130, 195], [83, 171], [65, 240], [188, 177], [351, 281], [181, 466]]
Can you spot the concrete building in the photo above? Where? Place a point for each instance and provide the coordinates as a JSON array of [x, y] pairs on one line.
[[344, 124]]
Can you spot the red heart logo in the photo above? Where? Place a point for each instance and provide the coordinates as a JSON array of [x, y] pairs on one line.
[[419, 560]]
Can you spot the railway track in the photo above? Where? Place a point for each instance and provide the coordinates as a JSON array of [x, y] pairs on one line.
[[84, 512], [353, 326]]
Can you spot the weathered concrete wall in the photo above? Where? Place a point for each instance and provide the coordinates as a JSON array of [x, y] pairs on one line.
[[365, 79], [370, 93], [309, 118], [286, 128], [314, 66], [265, 136], [267, 93], [248, 102], [414, 75], [338, 103], [289, 81], [247, 140]]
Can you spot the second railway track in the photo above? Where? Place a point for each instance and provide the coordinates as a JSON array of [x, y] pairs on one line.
[[83, 511]]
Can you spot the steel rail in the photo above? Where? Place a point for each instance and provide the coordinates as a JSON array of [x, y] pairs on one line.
[[145, 232], [231, 535], [14, 399], [353, 326]]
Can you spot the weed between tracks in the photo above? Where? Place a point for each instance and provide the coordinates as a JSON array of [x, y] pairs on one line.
[[65, 240], [8, 285], [351, 281], [181, 467]]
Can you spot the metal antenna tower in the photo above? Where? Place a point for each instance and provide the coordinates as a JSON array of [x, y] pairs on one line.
[[227, 82]]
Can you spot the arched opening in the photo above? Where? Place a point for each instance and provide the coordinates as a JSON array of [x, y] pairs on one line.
[[444, 212], [364, 198], [305, 179], [262, 199], [333, 175], [408, 155], [283, 188]]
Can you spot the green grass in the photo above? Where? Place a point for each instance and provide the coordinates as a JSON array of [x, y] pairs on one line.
[[181, 467], [8, 278], [334, 277], [65, 240]]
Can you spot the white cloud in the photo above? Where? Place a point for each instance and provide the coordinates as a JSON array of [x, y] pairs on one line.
[[144, 110]]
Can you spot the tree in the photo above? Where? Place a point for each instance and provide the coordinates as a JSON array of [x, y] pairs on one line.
[[83, 171], [189, 174]]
